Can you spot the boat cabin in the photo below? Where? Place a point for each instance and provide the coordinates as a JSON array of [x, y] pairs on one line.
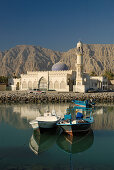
[[47, 114]]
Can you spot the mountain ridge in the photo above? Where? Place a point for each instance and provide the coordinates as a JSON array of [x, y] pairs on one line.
[[23, 58]]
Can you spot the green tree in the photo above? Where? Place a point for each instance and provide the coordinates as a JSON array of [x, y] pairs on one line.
[[93, 73], [4, 79], [109, 75]]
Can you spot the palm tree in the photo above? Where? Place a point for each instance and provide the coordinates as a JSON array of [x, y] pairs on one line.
[[109, 75]]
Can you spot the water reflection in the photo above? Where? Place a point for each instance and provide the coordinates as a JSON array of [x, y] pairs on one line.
[[31, 111], [54, 149], [103, 114], [9, 116], [75, 144], [19, 115], [104, 117], [41, 141]]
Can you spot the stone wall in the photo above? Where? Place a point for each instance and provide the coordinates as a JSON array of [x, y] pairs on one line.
[[24, 96]]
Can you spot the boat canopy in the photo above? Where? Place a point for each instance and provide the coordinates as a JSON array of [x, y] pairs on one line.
[[79, 115], [67, 117]]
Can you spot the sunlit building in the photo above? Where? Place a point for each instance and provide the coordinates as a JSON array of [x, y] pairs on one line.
[[60, 78]]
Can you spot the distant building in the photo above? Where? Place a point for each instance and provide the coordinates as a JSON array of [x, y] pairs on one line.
[[2, 86], [111, 85], [60, 78]]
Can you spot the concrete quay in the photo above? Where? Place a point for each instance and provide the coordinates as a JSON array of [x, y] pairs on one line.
[[52, 96]]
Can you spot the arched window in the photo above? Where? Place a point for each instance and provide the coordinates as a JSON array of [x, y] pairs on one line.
[[50, 85], [62, 85], [56, 85], [30, 85], [78, 83], [35, 85], [24, 85]]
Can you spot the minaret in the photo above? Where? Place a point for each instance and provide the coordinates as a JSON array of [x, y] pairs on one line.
[[80, 86], [79, 64]]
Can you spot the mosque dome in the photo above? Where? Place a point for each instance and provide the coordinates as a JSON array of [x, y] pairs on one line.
[[59, 67]]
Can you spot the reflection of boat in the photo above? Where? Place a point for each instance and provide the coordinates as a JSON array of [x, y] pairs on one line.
[[86, 103], [34, 124], [79, 123], [41, 141], [75, 144], [49, 120]]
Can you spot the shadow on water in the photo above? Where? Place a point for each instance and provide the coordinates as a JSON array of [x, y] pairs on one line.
[[75, 144], [42, 140]]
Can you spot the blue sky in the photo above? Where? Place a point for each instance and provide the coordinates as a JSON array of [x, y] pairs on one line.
[[56, 24]]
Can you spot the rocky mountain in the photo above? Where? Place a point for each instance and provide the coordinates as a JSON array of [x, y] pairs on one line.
[[23, 58]]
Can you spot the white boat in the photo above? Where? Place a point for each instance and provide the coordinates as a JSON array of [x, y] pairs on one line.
[[49, 120], [34, 124]]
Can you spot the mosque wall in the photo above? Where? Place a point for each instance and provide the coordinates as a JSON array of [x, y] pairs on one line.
[[52, 80], [60, 78], [79, 88], [56, 80], [14, 83], [29, 81]]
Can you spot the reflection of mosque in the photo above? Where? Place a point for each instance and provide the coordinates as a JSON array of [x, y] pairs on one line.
[[103, 118], [103, 115], [19, 115], [7, 115], [40, 142], [30, 112], [27, 111]]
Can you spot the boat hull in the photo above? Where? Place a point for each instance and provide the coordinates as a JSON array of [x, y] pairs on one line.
[[47, 124], [73, 128]]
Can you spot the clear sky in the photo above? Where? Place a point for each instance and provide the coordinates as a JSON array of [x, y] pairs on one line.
[[56, 24]]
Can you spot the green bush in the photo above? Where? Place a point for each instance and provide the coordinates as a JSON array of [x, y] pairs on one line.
[[4, 80], [109, 75]]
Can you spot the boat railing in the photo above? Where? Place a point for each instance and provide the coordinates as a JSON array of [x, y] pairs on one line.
[[78, 107], [79, 101]]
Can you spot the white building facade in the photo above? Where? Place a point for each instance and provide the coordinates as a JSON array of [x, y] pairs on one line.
[[60, 78]]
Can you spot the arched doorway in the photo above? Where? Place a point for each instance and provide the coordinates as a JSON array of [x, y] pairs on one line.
[[70, 83], [17, 86], [43, 85]]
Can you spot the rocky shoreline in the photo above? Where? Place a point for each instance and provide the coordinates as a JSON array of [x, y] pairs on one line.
[[58, 97]]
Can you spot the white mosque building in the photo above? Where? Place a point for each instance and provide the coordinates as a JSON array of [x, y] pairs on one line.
[[60, 78]]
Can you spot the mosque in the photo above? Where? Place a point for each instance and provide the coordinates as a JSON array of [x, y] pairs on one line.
[[60, 78]]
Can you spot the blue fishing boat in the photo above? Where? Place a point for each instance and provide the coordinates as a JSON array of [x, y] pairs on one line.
[[85, 103], [78, 123]]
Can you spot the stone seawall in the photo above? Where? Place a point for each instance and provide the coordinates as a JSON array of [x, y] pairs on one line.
[[25, 97]]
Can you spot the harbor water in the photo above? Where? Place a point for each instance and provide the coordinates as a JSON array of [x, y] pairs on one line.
[[22, 148]]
